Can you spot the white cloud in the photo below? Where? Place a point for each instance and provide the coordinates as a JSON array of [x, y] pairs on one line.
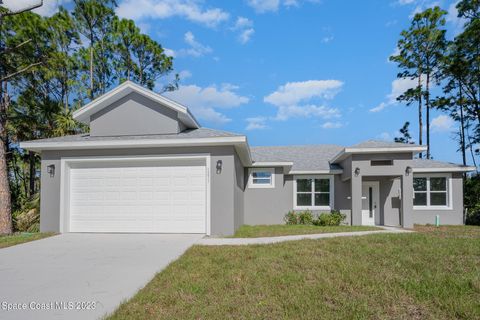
[[262, 6], [404, 2], [327, 39], [243, 22], [305, 111], [163, 9], [293, 99], [256, 123], [170, 52], [452, 17], [203, 102], [196, 48], [245, 28], [245, 36], [442, 123], [48, 8], [184, 74], [399, 86], [294, 92], [332, 125]]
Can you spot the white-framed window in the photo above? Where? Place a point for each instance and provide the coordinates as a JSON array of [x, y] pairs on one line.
[[261, 178], [432, 191], [313, 192]]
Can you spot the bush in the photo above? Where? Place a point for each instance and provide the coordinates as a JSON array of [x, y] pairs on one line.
[[473, 215], [305, 217], [27, 219], [302, 217], [291, 218], [334, 218]]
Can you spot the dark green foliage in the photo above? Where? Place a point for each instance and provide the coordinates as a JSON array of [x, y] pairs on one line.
[[472, 200], [334, 218], [67, 59], [405, 135]]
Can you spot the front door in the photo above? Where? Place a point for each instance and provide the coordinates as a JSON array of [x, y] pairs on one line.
[[370, 202]]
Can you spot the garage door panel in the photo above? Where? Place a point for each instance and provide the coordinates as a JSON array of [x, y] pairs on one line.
[[138, 199]]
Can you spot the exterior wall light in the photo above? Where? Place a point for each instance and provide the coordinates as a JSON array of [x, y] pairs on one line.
[[219, 166], [51, 170], [357, 172], [408, 171]]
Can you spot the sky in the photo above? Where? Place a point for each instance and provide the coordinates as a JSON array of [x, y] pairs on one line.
[[291, 72]]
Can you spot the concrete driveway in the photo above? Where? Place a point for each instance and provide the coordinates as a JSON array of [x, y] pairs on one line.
[[91, 272]]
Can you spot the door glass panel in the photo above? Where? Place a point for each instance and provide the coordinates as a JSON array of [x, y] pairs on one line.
[[370, 204]]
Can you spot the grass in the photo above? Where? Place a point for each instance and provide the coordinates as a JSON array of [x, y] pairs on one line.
[[17, 238], [247, 231], [431, 274]]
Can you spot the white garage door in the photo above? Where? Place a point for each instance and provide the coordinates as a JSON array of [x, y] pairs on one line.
[[138, 198]]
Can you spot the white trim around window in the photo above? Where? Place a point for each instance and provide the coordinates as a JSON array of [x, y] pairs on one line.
[[428, 192], [314, 192], [261, 178]]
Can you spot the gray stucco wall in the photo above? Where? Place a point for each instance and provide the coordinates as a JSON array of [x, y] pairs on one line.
[[134, 115], [224, 211], [453, 216], [239, 187], [269, 205], [368, 172]]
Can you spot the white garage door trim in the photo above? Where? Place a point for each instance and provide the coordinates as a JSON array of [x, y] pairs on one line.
[[65, 167]]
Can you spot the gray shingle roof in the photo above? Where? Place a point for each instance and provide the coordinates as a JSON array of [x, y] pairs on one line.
[[187, 134], [427, 163], [382, 144], [309, 157]]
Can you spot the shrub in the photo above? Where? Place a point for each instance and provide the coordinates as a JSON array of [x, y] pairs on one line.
[[27, 219], [473, 216], [305, 217], [302, 217], [334, 218], [291, 218]]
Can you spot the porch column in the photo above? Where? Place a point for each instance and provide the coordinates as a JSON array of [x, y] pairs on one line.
[[407, 201], [356, 196]]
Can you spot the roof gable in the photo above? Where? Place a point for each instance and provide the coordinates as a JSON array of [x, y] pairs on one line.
[[84, 114]]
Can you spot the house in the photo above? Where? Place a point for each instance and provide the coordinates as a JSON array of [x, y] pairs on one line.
[[148, 166]]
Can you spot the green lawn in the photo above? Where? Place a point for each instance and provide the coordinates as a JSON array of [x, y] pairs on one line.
[[431, 274], [246, 231], [17, 238]]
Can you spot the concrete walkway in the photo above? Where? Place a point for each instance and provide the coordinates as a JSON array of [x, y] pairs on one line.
[[269, 240]]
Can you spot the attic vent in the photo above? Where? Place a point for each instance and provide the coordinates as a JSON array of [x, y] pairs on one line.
[[374, 163]]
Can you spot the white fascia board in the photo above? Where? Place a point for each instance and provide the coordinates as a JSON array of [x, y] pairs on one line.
[[452, 169], [271, 164], [133, 143], [240, 144], [333, 171], [83, 114], [348, 151]]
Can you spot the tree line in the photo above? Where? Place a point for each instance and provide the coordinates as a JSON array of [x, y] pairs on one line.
[[426, 56], [50, 66]]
